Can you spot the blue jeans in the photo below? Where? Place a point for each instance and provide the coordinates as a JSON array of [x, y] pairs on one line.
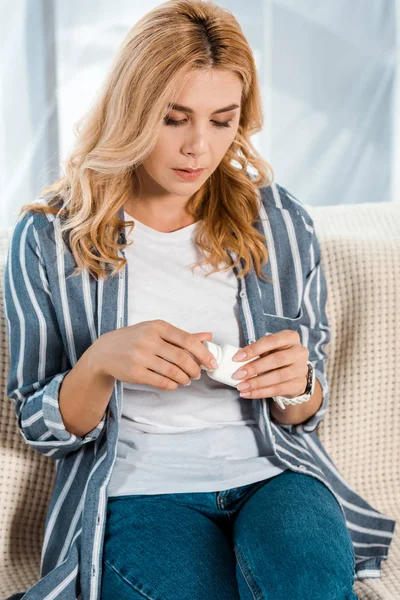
[[283, 537]]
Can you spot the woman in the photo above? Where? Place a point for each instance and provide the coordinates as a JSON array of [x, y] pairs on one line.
[[163, 492]]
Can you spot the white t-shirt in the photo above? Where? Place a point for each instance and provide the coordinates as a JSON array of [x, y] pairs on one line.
[[202, 437]]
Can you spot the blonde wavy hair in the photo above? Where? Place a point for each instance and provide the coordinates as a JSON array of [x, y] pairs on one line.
[[121, 128]]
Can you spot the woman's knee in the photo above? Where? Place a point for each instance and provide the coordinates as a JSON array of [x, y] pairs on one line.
[[294, 531]]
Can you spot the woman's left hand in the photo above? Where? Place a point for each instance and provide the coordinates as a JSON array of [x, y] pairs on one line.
[[280, 370]]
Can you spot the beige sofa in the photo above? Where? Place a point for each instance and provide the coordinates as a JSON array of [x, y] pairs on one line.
[[360, 246]]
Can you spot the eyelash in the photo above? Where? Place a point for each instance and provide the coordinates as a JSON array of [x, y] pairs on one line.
[[174, 123]]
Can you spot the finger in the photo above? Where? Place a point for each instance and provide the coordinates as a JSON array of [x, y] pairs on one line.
[[275, 360], [181, 341], [146, 376], [172, 370], [269, 342], [289, 388], [204, 335], [277, 377]]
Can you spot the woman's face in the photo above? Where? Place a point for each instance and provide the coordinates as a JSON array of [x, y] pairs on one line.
[[200, 136]]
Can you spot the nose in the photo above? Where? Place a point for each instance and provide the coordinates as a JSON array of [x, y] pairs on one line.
[[196, 145]]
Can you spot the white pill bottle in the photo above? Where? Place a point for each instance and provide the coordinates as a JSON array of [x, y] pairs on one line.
[[226, 366]]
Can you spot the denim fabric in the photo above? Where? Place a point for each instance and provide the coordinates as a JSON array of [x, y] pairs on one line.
[[283, 537]]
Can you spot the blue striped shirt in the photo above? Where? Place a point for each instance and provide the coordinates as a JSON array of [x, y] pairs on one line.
[[52, 320]]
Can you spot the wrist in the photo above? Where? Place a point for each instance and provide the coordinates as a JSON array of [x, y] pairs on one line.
[[307, 390], [295, 414], [97, 359]]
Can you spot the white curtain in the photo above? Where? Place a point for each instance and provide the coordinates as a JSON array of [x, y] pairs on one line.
[[328, 73], [333, 77], [29, 143]]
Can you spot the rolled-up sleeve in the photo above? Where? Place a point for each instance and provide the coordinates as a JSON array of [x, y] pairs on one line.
[[314, 330], [36, 349]]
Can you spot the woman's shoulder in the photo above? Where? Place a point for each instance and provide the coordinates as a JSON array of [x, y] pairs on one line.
[[35, 231], [277, 199], [36, 218]]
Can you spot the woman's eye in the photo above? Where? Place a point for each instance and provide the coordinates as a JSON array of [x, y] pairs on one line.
[[174, 123]]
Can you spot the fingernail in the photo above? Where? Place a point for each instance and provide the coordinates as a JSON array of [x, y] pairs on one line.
[[186, 384], [239, 356], [214, 364], [243, 386], [240, 374]]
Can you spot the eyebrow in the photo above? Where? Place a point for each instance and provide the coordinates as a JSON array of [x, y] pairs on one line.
[[189, 110]]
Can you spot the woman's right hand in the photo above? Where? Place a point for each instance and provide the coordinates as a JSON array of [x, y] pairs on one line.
[[153, 353]]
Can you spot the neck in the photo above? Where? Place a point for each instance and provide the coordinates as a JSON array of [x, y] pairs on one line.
[[164, 219]]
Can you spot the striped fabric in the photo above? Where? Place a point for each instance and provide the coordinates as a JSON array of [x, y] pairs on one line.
[[53, 318]]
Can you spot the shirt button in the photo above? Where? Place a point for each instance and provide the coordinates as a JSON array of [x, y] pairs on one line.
[[242, 294], [302, 468], [273, 437]]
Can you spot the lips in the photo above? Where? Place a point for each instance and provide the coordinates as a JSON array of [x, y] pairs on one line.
[[189, 170], [187, 174]]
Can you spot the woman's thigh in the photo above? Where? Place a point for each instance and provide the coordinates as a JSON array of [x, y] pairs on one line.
[[291, 540], [156, 548]]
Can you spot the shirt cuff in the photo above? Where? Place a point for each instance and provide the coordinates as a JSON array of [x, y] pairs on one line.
[[53, 418]]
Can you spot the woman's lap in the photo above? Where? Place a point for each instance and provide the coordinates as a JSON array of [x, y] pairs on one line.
[[178, 553], [285, 537]]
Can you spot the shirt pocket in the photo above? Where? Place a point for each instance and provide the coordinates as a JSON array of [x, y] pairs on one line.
[[275, 323]]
